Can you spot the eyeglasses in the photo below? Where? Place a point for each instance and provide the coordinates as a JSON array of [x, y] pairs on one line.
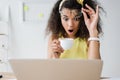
[[76, 18]]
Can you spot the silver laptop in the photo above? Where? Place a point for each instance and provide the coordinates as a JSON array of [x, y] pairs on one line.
[[56, 69]]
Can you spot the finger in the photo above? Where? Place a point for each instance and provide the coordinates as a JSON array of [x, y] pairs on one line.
[[86, 10], [97, 9], [55, 50], [60, 50], [56, 55], [54, 45], [84, 15], [55, 41], [89, 8]]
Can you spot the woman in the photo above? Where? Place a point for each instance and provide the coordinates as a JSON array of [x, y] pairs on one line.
[[79, 20]]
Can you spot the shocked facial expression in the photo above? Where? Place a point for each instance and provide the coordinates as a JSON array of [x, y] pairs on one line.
[[70, 20]]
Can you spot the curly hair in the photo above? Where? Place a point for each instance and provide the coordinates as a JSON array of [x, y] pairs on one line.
[[55, 27]]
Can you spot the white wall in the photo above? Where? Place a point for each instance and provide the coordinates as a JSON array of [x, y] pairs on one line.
[[110, 42], [26, 40]]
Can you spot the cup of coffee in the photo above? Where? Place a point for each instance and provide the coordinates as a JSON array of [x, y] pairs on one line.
[[66, 43]]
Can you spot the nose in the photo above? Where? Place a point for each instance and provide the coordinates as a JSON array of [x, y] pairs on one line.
[[70, 23]]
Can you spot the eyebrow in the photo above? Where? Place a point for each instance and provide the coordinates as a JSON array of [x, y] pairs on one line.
[[78, 15], [65, 15]]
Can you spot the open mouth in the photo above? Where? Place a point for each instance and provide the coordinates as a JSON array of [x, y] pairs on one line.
[[70, 31]]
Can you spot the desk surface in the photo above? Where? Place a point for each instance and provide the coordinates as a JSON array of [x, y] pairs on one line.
[[7, 76], [11, 76]]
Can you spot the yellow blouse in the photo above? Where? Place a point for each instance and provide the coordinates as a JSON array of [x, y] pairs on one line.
[[78, 50]]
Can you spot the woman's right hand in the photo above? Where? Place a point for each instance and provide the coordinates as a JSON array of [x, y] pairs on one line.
[[56, 48]]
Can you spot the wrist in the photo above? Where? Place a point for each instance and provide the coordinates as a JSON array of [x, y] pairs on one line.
[[93, 33], [93, 39]]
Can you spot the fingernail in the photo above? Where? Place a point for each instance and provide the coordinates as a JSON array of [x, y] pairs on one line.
[[82, 9]]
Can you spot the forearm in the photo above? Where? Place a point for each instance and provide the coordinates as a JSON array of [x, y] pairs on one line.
[[49, 56], [53, 55], [93, 50]]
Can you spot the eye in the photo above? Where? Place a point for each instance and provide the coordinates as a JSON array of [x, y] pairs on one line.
[[77, 18], [66, 19]]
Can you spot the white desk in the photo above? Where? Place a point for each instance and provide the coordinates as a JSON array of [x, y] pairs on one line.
[[11, 76], [7, 76]]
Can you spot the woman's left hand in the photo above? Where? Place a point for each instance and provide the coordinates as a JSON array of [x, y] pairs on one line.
[[91, 22]]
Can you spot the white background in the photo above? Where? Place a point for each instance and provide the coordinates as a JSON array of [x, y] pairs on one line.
[[26, 39]]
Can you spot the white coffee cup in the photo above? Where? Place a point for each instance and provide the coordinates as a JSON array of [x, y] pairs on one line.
[[66, 43]]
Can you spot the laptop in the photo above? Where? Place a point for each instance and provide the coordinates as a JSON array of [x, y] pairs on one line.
[[56, 69]]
